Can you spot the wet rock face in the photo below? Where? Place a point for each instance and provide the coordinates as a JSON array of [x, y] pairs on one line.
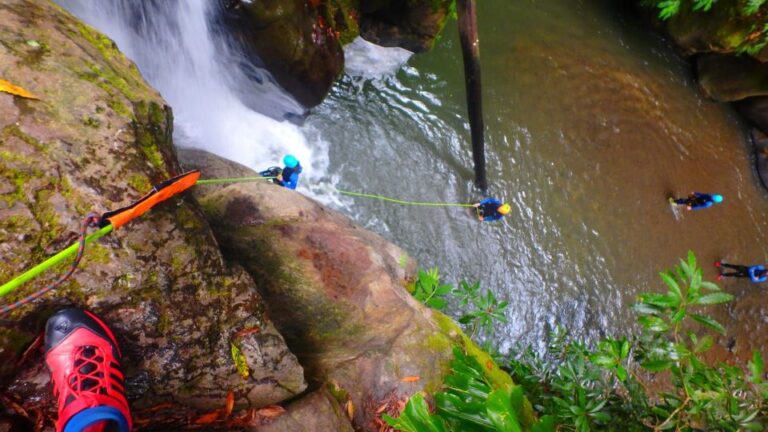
[[412, 25], [335, 291], [97, 140], [318, 411], [731, 78], [300, 41], [717, 38], [290, 40]]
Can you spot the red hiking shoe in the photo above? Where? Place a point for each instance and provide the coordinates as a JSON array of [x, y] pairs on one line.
[[84, 359]]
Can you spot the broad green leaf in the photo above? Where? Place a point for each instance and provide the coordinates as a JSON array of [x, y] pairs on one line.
[[756, 368], [657, 365], [443, 290], [691, 255], [653, 323], [703, 345], [545, 424], [468, 385], [621, 373], [416, 417], [624, 349], [517, 398], [474, 413], [646, 309], [603, 360], [695, 284], [678, 316], [500, 412], [709, 322], [687, 270], [659, 300], [715, 298], [437, 303], [672, 284]]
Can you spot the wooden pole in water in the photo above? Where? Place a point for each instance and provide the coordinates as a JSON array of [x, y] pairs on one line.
[[470, 49]]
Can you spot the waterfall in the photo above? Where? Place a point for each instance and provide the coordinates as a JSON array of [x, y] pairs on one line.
[[233, 111]]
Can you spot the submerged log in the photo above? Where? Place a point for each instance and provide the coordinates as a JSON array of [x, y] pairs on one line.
[[470, 48]]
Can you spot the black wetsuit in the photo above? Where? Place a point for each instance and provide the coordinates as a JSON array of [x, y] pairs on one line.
[[741, 270], [489, 209], [696, 201], [756, 273]]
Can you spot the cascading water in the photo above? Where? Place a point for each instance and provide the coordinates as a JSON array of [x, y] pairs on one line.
[[176, 50]]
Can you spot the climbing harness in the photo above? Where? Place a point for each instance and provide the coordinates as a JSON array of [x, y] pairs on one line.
[[112, 220]]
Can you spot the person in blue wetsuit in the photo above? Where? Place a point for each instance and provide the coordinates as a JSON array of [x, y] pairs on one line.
[[698, 200], [491, 209], [756, 273], [290, 175]]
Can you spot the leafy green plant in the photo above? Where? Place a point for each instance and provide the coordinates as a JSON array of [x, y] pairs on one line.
[[469, 402], [752, 6], [429, 291], [577, 387], [603, 388], [487, 311], [481, 308]]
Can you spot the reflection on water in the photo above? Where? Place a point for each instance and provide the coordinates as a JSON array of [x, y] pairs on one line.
[[591, 123]]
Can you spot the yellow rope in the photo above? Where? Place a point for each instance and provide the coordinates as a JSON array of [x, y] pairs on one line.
[[397, 201]]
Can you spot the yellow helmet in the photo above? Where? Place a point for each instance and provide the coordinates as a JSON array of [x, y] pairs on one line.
[[504, 209]]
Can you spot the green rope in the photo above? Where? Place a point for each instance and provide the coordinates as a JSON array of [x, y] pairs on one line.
[[50, 262], [72, 249], [343, 192], [397, 201], [232, 180]]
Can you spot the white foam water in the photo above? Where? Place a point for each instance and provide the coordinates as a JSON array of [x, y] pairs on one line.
[[177, 52]]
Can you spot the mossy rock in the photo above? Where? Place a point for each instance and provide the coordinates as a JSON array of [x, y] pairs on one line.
[[97, 139], [337, 292]]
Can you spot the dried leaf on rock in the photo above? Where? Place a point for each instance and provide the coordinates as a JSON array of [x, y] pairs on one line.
[[15, 90], [247, 331], [349, 407], [230, 403], [271, 411], [208, 417]]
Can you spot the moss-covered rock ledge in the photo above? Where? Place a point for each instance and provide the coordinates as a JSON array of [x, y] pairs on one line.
[[96, 140], [337, 292]]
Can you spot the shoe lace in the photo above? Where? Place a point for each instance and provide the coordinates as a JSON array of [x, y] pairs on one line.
[[88, 374]]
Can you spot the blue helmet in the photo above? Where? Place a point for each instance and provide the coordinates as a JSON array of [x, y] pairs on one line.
[[290, 161], [717, 198]]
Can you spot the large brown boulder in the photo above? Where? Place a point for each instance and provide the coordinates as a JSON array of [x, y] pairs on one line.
[[337, 292], [300, 42], [725, 28], [317, 411], [413, 25], [731, 78], [290, 40], [97, 139]]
